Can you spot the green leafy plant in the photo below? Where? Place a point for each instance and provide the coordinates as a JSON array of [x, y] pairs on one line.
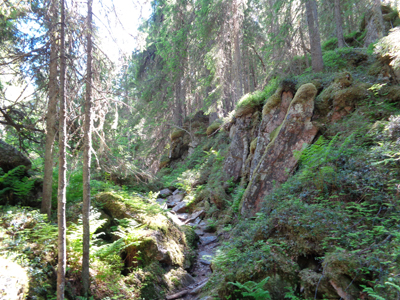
[[15, 182], [253, 289]]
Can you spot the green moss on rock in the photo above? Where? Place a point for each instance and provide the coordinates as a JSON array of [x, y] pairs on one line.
[[305, 93], [250, 103], [253, 145], [272, 102], [176, 134], [216, 125]]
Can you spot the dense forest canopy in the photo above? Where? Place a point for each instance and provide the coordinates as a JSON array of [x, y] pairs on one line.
[[189, 56], [268, 130]]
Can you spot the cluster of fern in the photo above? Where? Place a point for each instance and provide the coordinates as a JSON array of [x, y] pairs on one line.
[[15, 182]]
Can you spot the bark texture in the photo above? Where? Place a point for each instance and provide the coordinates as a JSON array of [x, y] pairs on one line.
[[51, 112], [278, 161], [339, 27], [374, 24], [87, 158], [315, 40], [61, 199]]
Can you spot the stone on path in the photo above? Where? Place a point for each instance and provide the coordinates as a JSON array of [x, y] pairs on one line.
[[181, 207], [162, 203], [164, 193], [174, 200], [195, 215], [208, 240]]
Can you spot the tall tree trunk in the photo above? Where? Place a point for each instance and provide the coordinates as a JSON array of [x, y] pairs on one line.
[[51, 112], [315, 40], [238, 84], [178, 102], [87, 157], [303, 45], [62, 178], [339, 27], [380, 28], [375, 28]]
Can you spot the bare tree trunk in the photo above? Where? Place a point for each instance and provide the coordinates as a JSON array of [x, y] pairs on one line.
[[380, 28], [238, 84], [315, 40], [178, 102], [51, 113], [339, 27], [375, 28], [303, 45], [87, 158], [62, 178]]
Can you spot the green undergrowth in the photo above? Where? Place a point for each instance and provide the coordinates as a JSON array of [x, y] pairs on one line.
[[15, 185], [334, 223], [253, 101], [127, 229]]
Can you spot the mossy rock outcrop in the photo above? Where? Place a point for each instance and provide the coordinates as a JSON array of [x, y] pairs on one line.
[[278, 160], [156, 239], [216, 125], [177, 133], [340, 97], [249, 103]]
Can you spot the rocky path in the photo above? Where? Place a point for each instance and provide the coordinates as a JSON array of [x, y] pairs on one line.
[[207, 245]]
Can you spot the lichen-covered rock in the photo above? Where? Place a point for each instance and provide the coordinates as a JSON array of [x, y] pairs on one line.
[[239, 148], [340, 97], [274, 113], [11, 158], [278, 161]]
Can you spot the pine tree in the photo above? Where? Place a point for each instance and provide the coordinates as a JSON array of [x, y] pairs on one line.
[[51, 111], [315, 40], [61, 199], [87, 156]]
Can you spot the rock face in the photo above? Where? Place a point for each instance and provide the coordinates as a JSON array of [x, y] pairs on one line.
[[278, 161], [243, 132], [184, 140], [11, 158], [275, 111], [339, 98]]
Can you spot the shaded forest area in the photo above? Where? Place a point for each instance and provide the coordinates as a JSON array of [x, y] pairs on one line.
[[242, 150]]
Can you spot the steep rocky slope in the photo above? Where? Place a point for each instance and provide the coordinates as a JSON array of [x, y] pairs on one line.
[[303, 189]]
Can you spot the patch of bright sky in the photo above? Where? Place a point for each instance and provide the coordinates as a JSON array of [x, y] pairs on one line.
[[118, 22]]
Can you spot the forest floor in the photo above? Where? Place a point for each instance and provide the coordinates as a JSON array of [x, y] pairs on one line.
[[201, 269]]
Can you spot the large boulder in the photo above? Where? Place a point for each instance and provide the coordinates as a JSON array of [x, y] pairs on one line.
[[11, 158], [279, 161]]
